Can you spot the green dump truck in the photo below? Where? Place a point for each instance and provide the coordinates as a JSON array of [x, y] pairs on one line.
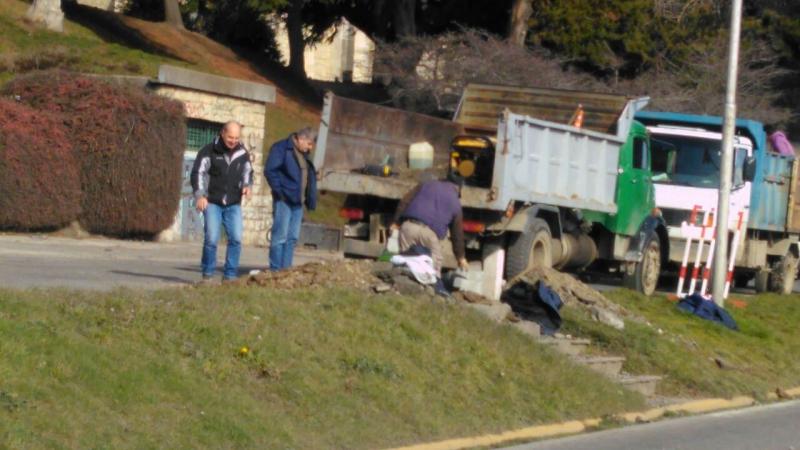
[[538, 190]]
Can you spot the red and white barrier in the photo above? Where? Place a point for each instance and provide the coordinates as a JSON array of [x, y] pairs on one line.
[[732, 257], [686, 248]]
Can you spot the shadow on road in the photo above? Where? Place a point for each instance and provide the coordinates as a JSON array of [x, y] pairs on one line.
[[166, 278]]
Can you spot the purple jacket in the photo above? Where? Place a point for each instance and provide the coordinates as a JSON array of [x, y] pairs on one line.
[[436, 205], [781, 144]]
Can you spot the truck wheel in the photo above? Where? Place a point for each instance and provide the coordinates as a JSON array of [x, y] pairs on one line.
[[643, 275], [741, 280], [781, 279], [531, 248], [761, 282]]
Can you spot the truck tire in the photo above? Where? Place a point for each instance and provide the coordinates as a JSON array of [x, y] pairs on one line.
[[784, 272], [643, 276], [761, 283], [741, 280], [533, 247]]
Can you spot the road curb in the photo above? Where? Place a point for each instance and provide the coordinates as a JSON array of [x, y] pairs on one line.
[[693, 407], [578, 426], [537, 432]]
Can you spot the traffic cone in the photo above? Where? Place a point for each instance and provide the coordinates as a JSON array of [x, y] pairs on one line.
[[578, 121]]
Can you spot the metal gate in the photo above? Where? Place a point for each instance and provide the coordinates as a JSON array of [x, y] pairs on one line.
[[198, 134], [191, 221]]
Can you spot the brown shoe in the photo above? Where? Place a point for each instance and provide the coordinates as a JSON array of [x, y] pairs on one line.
[[207, 281], [230, 281]]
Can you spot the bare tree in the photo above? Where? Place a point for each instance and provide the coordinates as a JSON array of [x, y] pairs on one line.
[[405, 23], [47, 12], [297, 41], [521, 11], [698, 86], [172, 14], [451, 61]]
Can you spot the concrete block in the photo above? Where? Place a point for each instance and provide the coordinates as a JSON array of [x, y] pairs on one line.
[[497, 312], [178, 76], [528, 327]]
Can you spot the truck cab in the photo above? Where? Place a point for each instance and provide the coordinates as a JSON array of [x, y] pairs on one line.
[[769, 249], [686, 179]]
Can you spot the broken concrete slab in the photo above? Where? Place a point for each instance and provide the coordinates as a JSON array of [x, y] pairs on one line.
[[497, 312]]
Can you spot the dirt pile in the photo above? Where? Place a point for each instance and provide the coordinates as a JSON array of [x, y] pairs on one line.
[[570, 290], [349, 273]]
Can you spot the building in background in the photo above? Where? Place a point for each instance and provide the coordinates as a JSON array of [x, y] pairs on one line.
[[209, 101], [344, 54]]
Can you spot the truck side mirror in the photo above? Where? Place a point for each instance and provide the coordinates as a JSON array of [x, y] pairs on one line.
[[749, 169], [672, 157]]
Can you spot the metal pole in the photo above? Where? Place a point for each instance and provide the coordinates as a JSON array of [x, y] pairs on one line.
[[726, 163]]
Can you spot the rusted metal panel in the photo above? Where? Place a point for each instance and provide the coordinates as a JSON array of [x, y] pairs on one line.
[[772, 195], [392, 187], [354, 134], [482, 105], [793, 215]]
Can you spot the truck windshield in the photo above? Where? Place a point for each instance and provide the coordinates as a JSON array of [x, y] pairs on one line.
[[696, 161]]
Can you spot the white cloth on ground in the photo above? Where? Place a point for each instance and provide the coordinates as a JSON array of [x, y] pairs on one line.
[[421, 267]]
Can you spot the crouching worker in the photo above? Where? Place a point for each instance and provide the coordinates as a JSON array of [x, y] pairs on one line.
[[424, 215]]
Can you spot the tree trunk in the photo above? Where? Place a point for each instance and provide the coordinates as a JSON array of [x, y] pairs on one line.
[[405, 23], [47, 12], [297, 43], [172, 14], [518, 25]]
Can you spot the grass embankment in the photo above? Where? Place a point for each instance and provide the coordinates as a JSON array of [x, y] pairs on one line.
[[326, 369], [700, 358], [26, 47]]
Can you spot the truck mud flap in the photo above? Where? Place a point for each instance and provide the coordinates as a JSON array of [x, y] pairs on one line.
[[314, 236]]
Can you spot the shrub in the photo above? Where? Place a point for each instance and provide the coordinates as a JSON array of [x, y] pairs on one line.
[[39, 177], [129, 143]]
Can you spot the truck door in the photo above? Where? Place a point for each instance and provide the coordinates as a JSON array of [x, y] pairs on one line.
[[635, 197]]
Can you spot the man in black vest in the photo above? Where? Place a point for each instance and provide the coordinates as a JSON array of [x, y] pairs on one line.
[[221, 176]]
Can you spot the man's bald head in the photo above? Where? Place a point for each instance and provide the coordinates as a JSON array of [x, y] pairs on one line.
[[231, 133]]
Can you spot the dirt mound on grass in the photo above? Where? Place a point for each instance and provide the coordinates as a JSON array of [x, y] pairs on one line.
[[349, 273], [522, 288]]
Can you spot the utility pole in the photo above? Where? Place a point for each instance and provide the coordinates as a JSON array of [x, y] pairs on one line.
[[726, 160]]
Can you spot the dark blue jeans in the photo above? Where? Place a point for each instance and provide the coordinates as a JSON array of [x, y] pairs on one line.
[[216, 217], [286, 221]]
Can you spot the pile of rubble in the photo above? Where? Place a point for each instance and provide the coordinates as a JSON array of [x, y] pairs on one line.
[[344, 273], [381, 277], [571, 291]]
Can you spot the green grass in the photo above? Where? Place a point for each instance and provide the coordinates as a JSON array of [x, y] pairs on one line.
[[326, 369], [77, 48], [760, 357]]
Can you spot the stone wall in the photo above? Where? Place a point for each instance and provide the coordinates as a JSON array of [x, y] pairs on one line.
[[257, 210], [108, 5]]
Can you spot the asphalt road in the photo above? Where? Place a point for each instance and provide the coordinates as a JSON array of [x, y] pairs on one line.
[[771, 427], [46, 261]]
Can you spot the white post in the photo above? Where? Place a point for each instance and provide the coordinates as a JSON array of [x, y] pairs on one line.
[[726, 163]]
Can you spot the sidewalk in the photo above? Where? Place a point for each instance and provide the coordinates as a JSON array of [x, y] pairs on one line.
[[28, 261]]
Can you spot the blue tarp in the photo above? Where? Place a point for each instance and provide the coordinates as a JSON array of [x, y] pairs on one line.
[[707, 309]]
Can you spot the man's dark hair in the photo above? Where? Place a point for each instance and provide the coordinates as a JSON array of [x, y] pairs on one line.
[[456, 179], [769, 129]]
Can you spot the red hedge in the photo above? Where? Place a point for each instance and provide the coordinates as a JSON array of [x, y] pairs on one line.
[[39, 177], [129, 143]]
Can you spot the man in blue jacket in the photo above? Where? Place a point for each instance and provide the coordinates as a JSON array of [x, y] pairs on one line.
[[293, 181]]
